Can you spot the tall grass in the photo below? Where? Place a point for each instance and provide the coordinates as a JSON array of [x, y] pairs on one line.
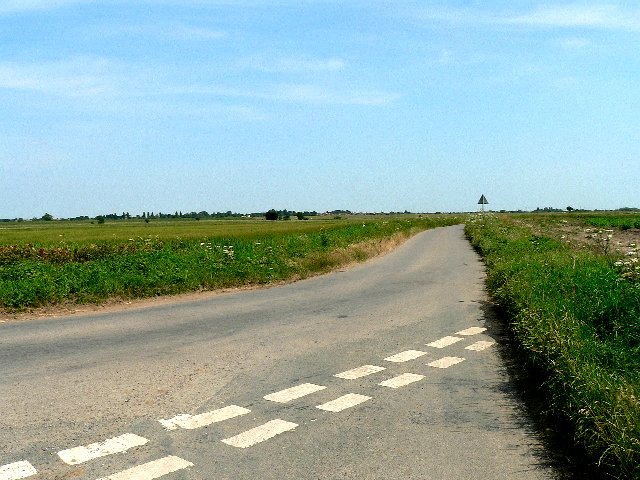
[[36, 275], [578, 321], [623, 222]]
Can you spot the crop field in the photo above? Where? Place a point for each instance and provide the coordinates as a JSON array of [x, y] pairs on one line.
[[569, 285], [65, 262], [47, 234]]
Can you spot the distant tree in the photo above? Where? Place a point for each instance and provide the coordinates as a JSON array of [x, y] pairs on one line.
[[271, 215], [569, 209], [47, 217], [301, 216], [100, 219]]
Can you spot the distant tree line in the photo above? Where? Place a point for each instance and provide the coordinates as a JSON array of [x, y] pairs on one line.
[[272, 214], [147, 216], [285, 214]]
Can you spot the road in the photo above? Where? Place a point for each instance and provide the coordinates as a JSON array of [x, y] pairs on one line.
[[387, 370]]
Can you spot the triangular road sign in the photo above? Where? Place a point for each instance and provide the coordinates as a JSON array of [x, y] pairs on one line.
[[483, 200]]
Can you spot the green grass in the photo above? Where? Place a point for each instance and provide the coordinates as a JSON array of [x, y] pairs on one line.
[[93, 263], [65, 232], [577, 318], [622, 222]]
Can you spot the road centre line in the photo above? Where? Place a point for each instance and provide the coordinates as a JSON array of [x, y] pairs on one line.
[[405, 356], [292, 393], [342, 403], [76, 455], [446, 362], [17, 470], [161, 467], [471, 331], [479, 346], [401, 380], [260, 433], [444, 342], [190, 422], [362, 371], [151, 470]]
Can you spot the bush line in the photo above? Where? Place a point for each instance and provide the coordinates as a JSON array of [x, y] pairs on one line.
[[577, 320]]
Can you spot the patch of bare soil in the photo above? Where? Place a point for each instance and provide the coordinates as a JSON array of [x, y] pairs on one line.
[[602, 241]]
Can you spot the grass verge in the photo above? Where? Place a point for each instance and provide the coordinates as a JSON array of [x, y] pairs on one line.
[[577, 319], [40, 275]]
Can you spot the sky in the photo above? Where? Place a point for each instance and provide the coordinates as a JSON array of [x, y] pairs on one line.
[[365, 105]]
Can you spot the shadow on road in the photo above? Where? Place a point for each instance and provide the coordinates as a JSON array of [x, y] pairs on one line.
[[525, 386]]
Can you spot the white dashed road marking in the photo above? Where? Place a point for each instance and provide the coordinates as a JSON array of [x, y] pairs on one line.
[[479, 346], [359, 372], [405, 356], [444, 342], [14, 471], [342, 403], [74, 456], [471, 331], [260, 434], [446, 362], [169, 464], [292, 393], [151, 470], [401, 380], [190, 422]]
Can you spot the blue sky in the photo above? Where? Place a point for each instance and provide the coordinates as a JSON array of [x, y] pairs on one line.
[[164, 105]]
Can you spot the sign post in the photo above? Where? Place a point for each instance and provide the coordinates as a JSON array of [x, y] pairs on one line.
[[483, 201]]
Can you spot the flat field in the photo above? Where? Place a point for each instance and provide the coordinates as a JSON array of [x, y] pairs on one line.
[[68, 262], [43, 233]]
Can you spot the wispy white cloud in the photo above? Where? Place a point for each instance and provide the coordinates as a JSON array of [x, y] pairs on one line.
[[102, 86], [316, 94], [19, 6], [574, 43], [574, 15], [295, 93], [451, 15], [449, 57], [606, 16], [168, 30], [125, 89], [190, 32], [77, 77], [211, 108], [295, 64]]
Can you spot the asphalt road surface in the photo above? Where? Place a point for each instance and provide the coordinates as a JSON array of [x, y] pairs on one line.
[[387, 370]]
